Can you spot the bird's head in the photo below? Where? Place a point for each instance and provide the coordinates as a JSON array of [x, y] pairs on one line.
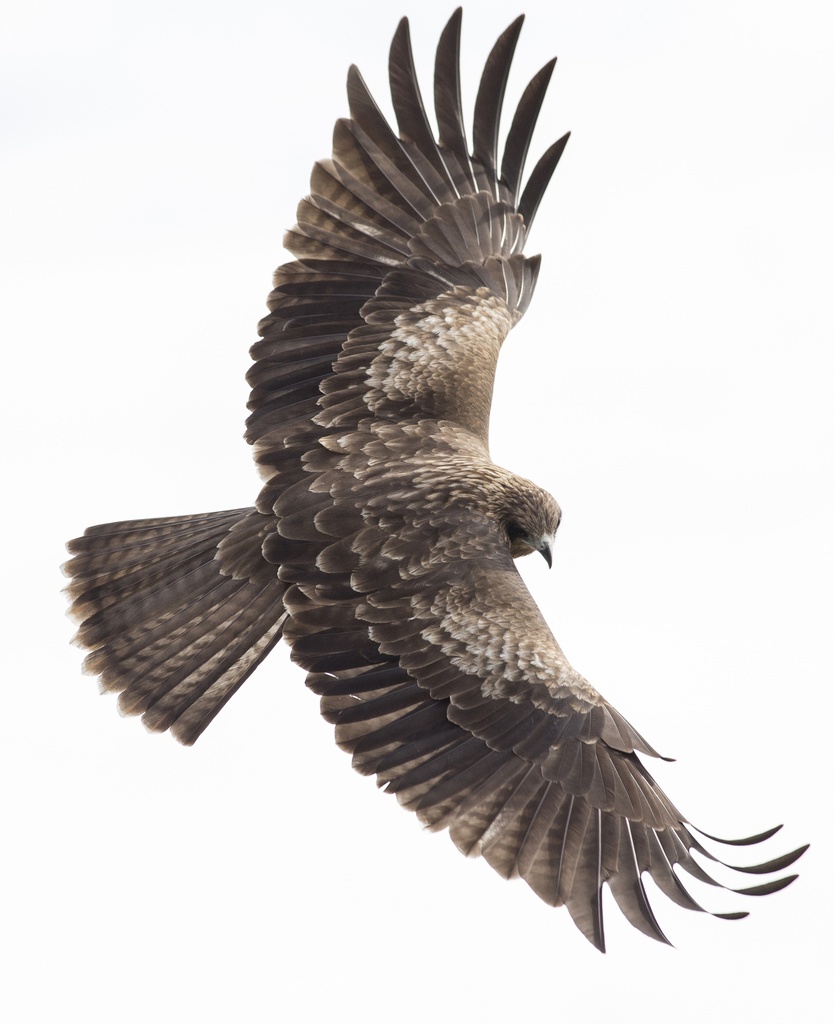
[[533, 522]]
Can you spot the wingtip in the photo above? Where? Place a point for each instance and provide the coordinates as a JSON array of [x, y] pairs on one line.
[[768, 887], [540, 178], [747, 841], [454, 21], [514, 27], [768, 867]]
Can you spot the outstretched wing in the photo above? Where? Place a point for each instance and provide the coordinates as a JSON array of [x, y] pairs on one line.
[[442, 678], [394, 224], [431, 658]]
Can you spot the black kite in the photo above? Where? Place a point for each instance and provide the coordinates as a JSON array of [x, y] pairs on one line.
[[382, 544]]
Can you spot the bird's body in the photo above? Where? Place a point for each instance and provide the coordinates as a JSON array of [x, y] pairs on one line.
[[382, 543]]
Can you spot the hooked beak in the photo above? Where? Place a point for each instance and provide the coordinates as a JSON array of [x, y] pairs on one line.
[[544, 547]]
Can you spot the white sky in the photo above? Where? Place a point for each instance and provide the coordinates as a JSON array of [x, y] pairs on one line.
[[671, 385]]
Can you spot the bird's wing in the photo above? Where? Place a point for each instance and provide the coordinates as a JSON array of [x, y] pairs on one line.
[[432, 659], [396, 223], [442, 678]]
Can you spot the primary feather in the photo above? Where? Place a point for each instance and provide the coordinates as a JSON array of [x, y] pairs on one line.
[[382, 543]]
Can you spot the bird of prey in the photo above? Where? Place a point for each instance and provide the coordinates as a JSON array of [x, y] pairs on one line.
[[383, 541]]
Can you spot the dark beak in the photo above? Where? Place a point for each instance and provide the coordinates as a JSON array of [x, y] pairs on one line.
[[546, 555]]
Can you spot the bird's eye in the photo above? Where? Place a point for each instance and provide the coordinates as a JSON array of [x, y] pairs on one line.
[[514, 532]]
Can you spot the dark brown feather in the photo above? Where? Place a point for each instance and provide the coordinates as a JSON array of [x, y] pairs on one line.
[[489, 102], [521, 131], [539, 180], [413, 124], [447, 99]]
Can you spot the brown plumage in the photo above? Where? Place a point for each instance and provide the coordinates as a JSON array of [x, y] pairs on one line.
[[382, 543]]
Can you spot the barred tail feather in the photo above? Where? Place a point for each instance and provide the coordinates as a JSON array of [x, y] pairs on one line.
[[176, 613]]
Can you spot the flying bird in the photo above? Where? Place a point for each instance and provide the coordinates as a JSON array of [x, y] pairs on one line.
[[383, 540]]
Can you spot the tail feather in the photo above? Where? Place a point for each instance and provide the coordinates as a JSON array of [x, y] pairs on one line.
[[176, 612], [112, 563]]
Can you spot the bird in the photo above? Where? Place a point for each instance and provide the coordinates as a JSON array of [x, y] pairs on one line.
[[383, 542]]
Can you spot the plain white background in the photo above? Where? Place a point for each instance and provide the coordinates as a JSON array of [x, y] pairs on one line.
[[671, 385]]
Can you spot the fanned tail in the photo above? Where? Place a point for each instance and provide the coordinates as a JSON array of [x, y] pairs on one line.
[[176, 612]]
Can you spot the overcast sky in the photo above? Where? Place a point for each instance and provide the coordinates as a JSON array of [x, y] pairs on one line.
[[671, 385]]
